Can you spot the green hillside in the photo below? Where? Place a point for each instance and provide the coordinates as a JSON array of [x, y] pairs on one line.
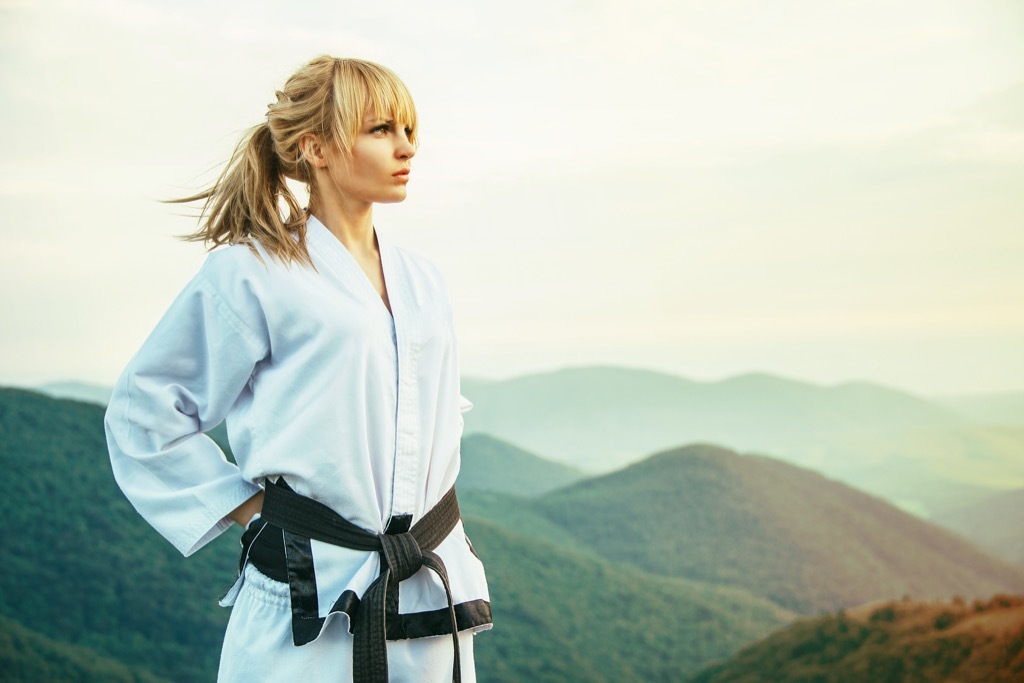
[[517, 514], [27, 657], [490, 464], [900, 642], [89, 572], [571, 618], [784, 533]]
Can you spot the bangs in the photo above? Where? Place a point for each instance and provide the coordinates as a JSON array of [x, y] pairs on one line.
[[360, 87]]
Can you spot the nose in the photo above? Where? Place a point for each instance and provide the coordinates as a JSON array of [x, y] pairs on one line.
[[404, 149]]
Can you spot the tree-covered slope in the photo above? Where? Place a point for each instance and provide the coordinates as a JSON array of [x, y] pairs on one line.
[[900, 642], [490, 464], [83, 567], [572, 618], [28, 657], [776, 530], [516, 514]]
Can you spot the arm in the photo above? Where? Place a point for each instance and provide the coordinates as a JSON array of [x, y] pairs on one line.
[[182, 382], [244, 513]]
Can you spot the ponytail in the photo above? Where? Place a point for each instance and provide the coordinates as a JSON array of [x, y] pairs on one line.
[[326, 98], [243, 206]]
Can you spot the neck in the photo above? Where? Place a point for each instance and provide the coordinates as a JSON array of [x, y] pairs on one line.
[[351, 222]]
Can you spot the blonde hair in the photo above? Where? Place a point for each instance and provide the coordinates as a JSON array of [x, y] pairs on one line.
[[327, 97]]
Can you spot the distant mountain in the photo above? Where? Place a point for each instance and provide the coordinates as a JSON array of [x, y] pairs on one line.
[[601, 418], [78, 391], [490, 464], [996, 524], [778, 531], [924, 471], [1003, 408], [898, 641], [28, 657], [915, 452]]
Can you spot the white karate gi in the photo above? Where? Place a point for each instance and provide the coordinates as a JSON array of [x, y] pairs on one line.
[[355, 407]]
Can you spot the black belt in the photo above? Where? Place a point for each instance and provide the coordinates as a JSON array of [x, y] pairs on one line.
[[401, 555]]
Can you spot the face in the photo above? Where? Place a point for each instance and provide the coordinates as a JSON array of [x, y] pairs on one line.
[[378, 169]]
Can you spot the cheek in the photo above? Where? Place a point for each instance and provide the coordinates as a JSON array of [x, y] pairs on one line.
[[362, 167]]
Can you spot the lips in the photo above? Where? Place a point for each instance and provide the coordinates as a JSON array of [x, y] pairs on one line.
[[404, 173]]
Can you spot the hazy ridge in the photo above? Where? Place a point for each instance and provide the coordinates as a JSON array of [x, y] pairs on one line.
[[916, 452], [1002, 408]]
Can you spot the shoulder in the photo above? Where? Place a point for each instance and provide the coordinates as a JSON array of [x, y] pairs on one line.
[[241, 279], [241, 269], [233, 261]]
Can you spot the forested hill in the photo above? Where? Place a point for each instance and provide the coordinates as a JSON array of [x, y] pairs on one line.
[[942, 642], [27, 657], [778, 531], [647, 574], [85, 570], [490, 464], [562, 616]]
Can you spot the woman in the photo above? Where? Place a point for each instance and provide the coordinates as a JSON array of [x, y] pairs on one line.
[[332, 355]]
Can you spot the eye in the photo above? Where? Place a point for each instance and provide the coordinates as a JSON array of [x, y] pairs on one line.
[[382, 128], [408, 132]]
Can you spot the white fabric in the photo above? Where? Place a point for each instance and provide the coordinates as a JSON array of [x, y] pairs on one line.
[[258, 645], [320, 384]]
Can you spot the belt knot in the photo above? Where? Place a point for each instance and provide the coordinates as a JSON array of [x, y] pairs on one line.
[[402, 554]]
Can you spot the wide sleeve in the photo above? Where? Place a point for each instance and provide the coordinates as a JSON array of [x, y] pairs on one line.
[[182, 382]]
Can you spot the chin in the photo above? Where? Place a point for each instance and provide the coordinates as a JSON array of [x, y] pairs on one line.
[[391, 199]]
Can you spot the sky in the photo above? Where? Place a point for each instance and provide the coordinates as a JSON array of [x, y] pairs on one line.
[[829, 191]]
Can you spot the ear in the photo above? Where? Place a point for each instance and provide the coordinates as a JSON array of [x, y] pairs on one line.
[[313, 151]]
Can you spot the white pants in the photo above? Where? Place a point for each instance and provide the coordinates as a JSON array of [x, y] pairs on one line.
[[258, 645]]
